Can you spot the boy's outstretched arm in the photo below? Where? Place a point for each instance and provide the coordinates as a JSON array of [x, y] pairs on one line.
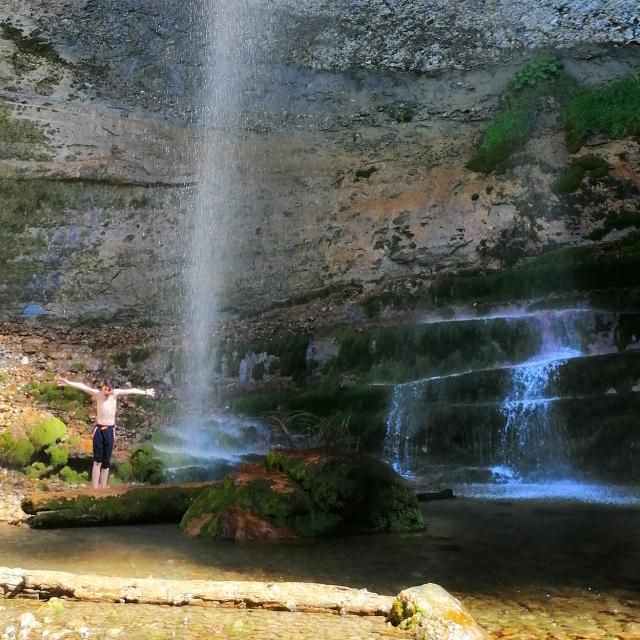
[[151, 393], [63, 382]]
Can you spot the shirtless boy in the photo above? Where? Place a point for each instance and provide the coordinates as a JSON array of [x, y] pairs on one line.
[[104, 432]]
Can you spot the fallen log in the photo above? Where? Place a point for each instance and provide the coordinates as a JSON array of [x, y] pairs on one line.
[[118, 505], [277, 596]]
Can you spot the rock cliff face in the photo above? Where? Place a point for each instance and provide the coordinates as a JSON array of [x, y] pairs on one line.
[[363, 118]]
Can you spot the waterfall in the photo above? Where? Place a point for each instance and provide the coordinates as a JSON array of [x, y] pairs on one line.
[[504, 415], [401, 423], [229, 29], [531, 441], [204, 440]]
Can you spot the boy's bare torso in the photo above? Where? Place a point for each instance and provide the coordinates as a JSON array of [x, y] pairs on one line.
[[106, 407]]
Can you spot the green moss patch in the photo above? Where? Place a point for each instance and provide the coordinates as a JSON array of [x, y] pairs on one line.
[[145, 465], [572, 179], [58, 454], [47, 432], [62, 398], [21, 139], [312, 494], [139, 505], [15, 451], [613, 109], [617, 222], [73, 477], [34, 43], [37, 470], [124, 471]]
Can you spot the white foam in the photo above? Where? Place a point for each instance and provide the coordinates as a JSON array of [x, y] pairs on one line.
[[569, 490]]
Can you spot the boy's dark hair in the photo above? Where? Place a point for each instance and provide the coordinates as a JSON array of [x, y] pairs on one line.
[[106, 383]]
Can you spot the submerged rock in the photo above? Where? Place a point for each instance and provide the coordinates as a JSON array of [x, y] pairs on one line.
[[303, 494], [434, 614]]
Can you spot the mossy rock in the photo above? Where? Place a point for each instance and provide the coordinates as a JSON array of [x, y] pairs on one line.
[[58, 454], [15, 451], [305, 494], [145, 465], [72, 476], [431, 612], [47, 432], [36, 470]]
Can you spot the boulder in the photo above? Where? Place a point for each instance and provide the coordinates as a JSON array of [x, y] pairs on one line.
[[433, 614], [304, 494]]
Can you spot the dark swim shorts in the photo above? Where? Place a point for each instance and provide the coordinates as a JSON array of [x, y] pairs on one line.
[[103, 444]]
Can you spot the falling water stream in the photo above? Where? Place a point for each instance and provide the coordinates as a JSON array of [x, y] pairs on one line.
[[219, 194], [204, 441]]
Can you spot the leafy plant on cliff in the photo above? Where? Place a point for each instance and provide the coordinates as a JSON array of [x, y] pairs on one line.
[[535, 73], [400, 112], [612, 109], [537, 81]]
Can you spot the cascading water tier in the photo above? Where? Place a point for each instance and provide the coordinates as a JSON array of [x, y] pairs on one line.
[[516, 423]]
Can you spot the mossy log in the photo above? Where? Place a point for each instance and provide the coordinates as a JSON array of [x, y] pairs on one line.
[[277, 596], [119, 505]]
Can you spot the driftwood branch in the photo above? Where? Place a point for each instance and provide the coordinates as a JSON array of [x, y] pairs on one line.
[[279, 596]]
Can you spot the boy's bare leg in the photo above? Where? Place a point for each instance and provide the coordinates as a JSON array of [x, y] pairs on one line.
[[104, 477], [95, 474]]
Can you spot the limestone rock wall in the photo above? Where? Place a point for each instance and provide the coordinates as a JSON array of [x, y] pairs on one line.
[[345, 196]]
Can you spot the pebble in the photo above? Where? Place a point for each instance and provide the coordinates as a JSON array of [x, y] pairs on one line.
[[27, 620]]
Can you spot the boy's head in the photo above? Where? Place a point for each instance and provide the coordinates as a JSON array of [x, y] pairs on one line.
[[106, 387]]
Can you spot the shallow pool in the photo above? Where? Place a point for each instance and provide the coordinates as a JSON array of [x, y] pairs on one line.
[[525, 569]]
